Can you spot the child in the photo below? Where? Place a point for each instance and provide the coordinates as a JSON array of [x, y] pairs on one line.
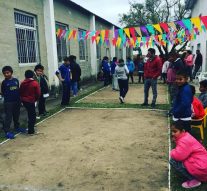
[[182, 104], [10, 92], [121, 71], [198, 111], [64, 75], [203, 96], [189, 157], [131, 67], [164, 70], [30, 93], [42, 79], [141, 70]]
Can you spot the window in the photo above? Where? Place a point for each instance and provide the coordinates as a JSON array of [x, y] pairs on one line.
[[98, 49], [83, 49], [63, 45], [26, 35]]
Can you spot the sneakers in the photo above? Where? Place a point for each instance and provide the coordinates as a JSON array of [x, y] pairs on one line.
[[20, 130], [145, 104], [37, 117], [9, 135], [33, 133], [121, 99], [191, 183]]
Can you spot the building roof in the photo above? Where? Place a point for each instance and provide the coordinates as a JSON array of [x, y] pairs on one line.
[[83, 10], [189, 4]]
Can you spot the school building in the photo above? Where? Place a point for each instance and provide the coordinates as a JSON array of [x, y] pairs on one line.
[[198, 8], [28, 37]]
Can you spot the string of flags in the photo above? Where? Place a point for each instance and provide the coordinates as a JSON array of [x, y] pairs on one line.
[[161, 34]]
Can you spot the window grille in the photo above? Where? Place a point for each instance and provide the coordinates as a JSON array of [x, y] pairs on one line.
[[63, 45], [83, 47], [26, 35], [98, 49]]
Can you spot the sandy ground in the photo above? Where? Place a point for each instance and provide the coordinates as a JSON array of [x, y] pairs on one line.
[[89, 150], [135, 95]]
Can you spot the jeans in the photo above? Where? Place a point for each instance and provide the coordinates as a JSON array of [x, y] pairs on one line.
[[123, 87], [180, 168], [148, 82], [197, 67], [74, 86], [173, 89], [41, 105], [106, 78], [30, 107], [12, 111], [141, 77], [131, 76], [66, 93]]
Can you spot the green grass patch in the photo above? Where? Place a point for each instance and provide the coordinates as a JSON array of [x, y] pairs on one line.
[[118, 105]]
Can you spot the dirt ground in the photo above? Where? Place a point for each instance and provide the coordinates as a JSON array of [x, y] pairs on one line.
[[135, 95], [90, 150]]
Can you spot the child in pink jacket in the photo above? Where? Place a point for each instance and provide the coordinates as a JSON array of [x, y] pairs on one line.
[[189, 157]]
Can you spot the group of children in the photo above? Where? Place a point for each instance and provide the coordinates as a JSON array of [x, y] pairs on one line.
[[189, 157], [34, 88]]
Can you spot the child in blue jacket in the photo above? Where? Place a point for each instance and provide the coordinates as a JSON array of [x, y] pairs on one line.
[[131, 67], [182, 103]]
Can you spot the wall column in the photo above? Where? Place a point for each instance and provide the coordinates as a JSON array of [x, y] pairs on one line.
[[49, 20], [113, 52], [93, 48]]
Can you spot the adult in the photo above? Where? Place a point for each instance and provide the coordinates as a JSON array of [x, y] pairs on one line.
[[106, 70], [64, 75], [198, 62], [115, 85], [189, 63], [152, 70], [76, 73], [131, 67]]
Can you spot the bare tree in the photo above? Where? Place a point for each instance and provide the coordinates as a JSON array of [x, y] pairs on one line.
[[152, 12]]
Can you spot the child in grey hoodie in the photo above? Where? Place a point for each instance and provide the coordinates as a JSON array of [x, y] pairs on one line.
[[121, 71]]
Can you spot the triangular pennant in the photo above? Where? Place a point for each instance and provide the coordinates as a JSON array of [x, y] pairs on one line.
[[151, 29], [138, 31], [197, 23], [126, 30], [173, 26], [106, 34], [103, 34], [70, 35], [74, 34], [67, 34], [121, 33], [158, 28], [144, 29], [204, 20], [188, 24], [165, 27], [181, 24]]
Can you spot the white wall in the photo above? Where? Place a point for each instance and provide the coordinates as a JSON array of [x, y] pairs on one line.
[[200, 8]]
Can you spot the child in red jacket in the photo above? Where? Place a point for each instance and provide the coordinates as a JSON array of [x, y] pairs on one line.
[[29, 94], [189, 157], [198, 111]]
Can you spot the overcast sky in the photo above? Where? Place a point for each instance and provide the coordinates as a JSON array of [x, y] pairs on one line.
[[107, 9]]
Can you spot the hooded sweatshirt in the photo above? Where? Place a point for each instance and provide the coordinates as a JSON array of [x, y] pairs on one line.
[[121, 71], [192, 154], [29, 91]]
